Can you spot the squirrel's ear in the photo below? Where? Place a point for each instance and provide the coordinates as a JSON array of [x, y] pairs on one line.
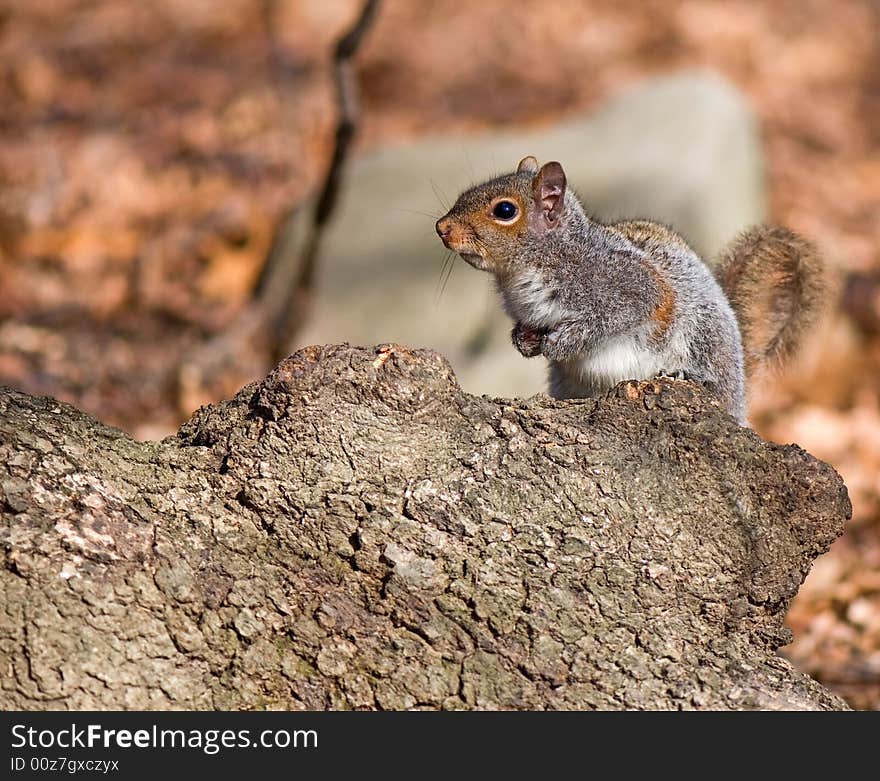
[[528, 165], [549, 192]]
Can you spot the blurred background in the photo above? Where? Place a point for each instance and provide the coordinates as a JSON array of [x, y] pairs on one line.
[[159, 163]]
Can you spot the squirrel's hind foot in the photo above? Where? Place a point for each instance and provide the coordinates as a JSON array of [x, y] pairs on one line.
[[679, 374]]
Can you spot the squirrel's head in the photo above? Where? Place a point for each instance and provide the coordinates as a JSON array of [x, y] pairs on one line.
[[488, 222]]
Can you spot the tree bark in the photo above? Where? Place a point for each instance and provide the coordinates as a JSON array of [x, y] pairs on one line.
[[356, 532]]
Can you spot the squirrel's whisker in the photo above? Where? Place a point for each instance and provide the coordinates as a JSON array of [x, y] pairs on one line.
[[441, 196], [434, 217], [448, 275], [438, 290]]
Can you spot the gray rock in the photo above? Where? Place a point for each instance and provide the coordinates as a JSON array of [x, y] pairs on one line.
[[682, 149]]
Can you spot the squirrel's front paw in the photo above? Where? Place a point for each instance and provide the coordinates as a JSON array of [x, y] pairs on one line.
[[527, 340], [562, 342]]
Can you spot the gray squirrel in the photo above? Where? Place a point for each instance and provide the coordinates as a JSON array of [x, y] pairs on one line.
[[631, 300]]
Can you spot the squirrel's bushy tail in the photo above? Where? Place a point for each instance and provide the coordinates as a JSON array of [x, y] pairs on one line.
[[775, 282]]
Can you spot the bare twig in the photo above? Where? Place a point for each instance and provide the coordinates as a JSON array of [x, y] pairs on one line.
[[283, 292], [292, 316]]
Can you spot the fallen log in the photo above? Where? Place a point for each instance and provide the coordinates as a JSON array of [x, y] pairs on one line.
[[355, 531]]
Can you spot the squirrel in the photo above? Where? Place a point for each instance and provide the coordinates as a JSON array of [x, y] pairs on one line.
[[631, 300]]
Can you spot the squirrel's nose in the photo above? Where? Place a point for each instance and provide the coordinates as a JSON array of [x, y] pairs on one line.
[[444, 228]]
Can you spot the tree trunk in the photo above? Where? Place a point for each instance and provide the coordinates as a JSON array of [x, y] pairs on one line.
[[356, 532]]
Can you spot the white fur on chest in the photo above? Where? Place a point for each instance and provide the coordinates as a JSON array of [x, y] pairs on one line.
[[529, 299], [619, 359]]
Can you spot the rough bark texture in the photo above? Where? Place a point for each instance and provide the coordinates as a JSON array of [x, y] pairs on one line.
[[356, 532]]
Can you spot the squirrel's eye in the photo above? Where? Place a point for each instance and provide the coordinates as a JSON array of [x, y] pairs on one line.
[[505, 210]]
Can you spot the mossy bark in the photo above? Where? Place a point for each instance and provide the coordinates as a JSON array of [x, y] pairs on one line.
[[357, 532]]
